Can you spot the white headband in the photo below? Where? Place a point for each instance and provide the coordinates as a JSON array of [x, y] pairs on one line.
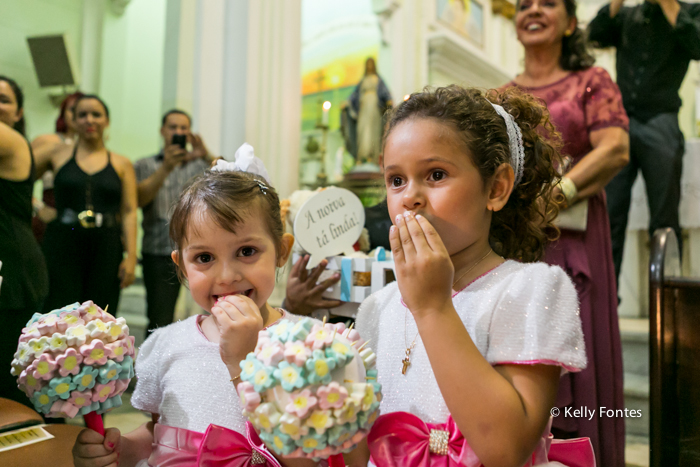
[[245, 161], [515, 141]]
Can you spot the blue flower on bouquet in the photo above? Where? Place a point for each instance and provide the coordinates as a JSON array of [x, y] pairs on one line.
[[300, 330], [339, 434], [279, 442], [109, 371], [86, 378], [367, 418], [264, 378], [126, 368], [290, 376], [372, 379], [280, 331], [319, 367], [341, 352], [111, 403], [42, 400], [249, 367], [61, 387], [312, 442]]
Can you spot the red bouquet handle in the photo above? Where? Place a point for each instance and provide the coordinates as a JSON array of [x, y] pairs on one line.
[[94, 421]]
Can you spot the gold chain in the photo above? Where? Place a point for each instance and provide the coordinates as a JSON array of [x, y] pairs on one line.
[[409, 348], [473, 266]]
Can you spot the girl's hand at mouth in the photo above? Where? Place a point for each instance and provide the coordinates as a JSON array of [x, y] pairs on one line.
[[424, 270], [239, 320]]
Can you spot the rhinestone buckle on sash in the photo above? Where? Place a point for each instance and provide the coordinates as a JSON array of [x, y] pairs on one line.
[[256, 458], [438, 442]]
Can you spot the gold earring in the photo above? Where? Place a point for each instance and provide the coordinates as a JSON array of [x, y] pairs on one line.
[[568, 33]]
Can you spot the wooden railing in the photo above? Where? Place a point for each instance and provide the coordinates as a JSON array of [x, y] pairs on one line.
[[674, 366]]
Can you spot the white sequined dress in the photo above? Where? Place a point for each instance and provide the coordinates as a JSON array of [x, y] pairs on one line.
[[182, 378], [517, 313]]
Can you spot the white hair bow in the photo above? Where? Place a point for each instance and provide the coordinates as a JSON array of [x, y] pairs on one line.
[[245, 161]]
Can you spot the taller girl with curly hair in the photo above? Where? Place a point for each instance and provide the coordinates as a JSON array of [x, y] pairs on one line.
[[586, 108], [472, 337]]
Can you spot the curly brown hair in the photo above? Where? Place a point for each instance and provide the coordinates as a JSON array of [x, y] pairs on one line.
[[522, 229], [227, 198]]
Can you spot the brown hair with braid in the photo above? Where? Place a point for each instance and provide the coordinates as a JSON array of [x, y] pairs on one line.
[[522, 229]]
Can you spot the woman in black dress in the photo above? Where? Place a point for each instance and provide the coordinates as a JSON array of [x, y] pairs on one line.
[[95, 192], [25, 283]]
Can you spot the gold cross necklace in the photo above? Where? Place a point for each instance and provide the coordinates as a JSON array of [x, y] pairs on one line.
[[409, 348]]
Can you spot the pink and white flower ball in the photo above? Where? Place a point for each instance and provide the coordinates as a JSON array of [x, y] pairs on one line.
[[78, 359], [310, 389]]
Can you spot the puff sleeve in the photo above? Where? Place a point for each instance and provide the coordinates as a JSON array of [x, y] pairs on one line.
[[537, 321], [148, 394]]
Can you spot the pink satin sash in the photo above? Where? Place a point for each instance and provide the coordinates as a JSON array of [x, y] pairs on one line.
[[217, 447], [174, 447], [401, 439]]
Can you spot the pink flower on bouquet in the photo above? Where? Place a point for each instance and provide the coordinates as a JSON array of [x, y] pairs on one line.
[[68, 319], [331, 396], [69, 362], [250, 399], [320, 336], [43, 367], [271, 353], [102, 391], [48, 325], [263, 338], [119, 349], [28, 382], [296, 352], [95, 353], [81, 398], [301, 402]]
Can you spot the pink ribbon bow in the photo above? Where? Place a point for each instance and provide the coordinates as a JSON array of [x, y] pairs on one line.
[[401, 439], [222, 447]]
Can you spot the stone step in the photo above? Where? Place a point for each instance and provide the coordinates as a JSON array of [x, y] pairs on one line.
[[132, 307], [636, 390], [636, 451], [634, 333]]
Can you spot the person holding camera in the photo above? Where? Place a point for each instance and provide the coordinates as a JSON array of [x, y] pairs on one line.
[[161, 178]]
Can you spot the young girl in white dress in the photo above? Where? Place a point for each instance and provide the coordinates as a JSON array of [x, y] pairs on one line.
[[472, 337], [230, 241]]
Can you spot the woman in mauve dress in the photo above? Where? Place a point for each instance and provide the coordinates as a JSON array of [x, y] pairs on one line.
[[586, 108]]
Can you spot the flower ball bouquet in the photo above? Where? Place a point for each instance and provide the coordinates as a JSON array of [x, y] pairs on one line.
[[310, 389], [78, 359]]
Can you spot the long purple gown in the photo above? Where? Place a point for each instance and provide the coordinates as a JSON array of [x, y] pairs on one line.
[[582, 102]]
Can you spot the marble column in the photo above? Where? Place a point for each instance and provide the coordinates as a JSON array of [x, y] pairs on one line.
[[91, 45], [237, 67], [273, 94]]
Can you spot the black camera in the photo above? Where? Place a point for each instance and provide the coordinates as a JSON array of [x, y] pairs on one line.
[[180, 140]]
